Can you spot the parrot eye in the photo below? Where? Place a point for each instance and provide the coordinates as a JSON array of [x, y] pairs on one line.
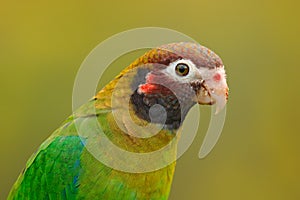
[[182, 69]]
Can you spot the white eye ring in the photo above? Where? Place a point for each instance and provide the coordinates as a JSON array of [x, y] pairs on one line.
[[185, 77]]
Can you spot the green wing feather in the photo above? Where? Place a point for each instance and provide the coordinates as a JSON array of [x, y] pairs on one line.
[[64, 169]]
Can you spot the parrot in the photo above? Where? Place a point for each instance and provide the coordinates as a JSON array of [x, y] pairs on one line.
[[156, 91]]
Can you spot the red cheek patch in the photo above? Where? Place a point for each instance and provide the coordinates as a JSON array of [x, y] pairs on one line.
[[217, 77], [148, 88]]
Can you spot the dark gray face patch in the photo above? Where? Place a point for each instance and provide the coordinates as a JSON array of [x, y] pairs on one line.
[[139, 78], [169, 111]]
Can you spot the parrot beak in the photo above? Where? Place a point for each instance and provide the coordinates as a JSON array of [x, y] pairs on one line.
[[210, 92]]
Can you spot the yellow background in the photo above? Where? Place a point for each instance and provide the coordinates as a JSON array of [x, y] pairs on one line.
[[257, 157]]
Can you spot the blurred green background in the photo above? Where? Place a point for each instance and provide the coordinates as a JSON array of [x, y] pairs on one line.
[[257, 157]]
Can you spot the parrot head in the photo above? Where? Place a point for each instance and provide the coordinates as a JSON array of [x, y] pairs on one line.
[[176, 76]]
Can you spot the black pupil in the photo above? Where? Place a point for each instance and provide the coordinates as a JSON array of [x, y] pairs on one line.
[[182, 69]]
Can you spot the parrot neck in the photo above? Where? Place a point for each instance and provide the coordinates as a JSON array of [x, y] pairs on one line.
[[123, 128]]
